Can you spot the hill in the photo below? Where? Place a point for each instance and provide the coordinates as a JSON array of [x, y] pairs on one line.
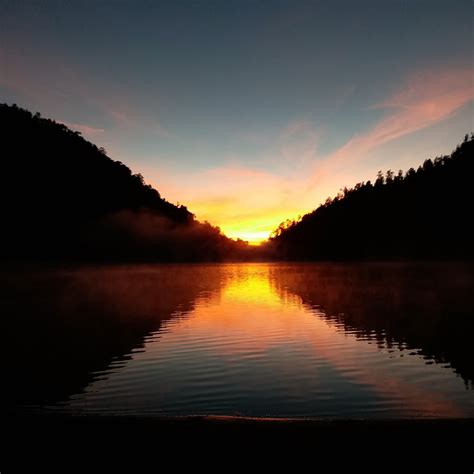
[[424, 213], [63, 197]]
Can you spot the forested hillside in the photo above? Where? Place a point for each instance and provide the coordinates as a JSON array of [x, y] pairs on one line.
[[424, 213], [63, 197]]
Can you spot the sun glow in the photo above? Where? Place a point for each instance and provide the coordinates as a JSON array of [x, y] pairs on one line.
[[255, 227], [252, 237], [255, 230]]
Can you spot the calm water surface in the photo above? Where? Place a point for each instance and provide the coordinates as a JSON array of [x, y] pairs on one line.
[[284, 340]]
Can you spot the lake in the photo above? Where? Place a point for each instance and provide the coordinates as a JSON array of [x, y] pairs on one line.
[[359, 340]]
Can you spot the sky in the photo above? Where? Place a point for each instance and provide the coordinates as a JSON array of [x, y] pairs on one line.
[[247, 112]]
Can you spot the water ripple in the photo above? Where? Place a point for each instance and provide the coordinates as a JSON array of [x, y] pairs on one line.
[[253, 348]]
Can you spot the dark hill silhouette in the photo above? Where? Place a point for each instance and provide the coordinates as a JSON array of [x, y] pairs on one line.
[[425, 213], [63, 197]]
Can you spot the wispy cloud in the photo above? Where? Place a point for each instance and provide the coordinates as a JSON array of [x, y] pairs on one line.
[[86, 130], [298, 142], [49, 81], [426, 99]]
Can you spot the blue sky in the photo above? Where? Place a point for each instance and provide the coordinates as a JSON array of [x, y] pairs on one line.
[[248, 112]]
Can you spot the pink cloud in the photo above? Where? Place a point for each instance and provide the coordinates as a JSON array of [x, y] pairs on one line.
[[426, 99], [122, 118], [84, 129]]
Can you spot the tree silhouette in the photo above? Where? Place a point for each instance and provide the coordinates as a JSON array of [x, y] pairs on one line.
[[425, 213]]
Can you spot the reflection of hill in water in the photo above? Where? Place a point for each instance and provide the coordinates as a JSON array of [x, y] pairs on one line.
[[424, 306], [61, 326]]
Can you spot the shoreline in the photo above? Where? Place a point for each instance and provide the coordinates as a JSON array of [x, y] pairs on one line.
[[224, 421], [48, 439]]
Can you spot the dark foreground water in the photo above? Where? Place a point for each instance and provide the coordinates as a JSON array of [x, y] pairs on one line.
[[279, 340]]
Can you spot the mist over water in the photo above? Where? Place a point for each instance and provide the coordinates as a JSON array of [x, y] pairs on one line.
[[281, 340]]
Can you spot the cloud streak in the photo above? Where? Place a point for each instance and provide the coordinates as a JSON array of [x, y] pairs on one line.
[[49, 81], [426, 99], [86, 130]]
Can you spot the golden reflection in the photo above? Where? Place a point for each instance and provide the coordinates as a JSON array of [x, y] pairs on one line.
[[251, 285]]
